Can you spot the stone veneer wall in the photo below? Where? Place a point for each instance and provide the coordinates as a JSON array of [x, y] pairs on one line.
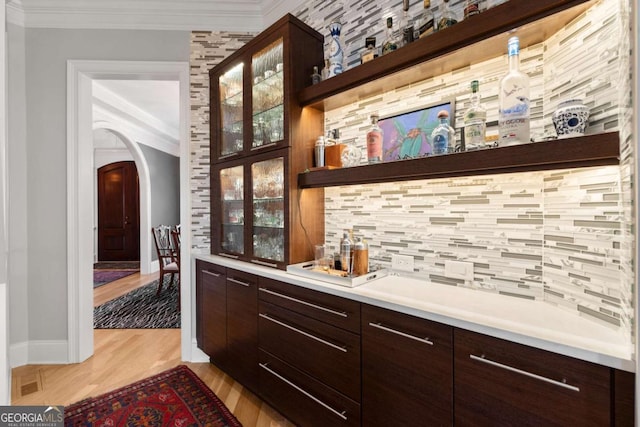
[[565, 237], [207, 50]]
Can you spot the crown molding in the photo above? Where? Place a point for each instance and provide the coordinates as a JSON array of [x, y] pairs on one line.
[[185, 15]]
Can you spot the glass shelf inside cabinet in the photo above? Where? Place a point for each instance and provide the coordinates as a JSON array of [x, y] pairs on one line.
[[268, 209], [232, 211], [231, 111], [268, 95]]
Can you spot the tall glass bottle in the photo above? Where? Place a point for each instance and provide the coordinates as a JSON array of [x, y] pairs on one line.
[[443, 136], [390, 43], [374, 141], [513, 117], [405, 25], [426, 25], [475, 120], [446, 18]]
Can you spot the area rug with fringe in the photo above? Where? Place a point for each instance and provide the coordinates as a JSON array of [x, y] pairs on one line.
[[102, 277], [176, 397], [141, 309]]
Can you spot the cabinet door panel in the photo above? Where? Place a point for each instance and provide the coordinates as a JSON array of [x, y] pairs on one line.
[[212, 311], [407, 370], [502, 383], [325, 352], [304, 400], [242, 327], [336, 311]]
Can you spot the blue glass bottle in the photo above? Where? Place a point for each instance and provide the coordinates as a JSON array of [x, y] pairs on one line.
[[443, 136]]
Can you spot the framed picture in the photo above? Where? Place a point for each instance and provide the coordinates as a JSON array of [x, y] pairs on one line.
[[408, 135]]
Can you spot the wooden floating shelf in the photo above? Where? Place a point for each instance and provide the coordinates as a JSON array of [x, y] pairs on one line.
[[471, 41], [585, 151]]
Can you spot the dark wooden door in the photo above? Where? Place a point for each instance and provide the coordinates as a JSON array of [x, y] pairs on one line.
[[118, 212]]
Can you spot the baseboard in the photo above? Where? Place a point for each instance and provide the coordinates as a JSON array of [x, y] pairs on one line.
[[154, 266], [197, 355], [50, 352]]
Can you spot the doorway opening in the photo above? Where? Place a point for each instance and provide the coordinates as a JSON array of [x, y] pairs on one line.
[[80, 221]]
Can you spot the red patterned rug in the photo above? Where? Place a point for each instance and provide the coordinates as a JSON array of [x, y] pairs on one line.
[[176, 397]]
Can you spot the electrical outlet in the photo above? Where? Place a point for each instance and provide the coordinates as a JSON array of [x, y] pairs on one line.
[[459, 270], [402, 262]]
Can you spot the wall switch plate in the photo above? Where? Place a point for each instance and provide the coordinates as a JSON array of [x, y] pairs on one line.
[[402, 262], [458, 270]]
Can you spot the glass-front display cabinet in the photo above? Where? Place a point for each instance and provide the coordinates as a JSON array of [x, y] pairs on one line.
[[258, 148]]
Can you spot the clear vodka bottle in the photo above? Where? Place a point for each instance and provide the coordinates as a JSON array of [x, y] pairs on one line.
[[513, 117]]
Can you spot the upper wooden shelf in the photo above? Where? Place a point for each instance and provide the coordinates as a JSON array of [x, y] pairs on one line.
[[471, 41], [585, 151]]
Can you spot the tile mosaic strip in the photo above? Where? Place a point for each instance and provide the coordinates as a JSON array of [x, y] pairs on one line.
[[207, 49]]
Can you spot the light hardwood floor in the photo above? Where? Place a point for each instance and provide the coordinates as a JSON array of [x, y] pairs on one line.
[[122, 356]]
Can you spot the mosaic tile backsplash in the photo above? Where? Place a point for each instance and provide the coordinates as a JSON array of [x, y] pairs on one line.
[[563, 237]]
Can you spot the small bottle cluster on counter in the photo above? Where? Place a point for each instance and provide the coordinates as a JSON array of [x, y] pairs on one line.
[[351, 261]]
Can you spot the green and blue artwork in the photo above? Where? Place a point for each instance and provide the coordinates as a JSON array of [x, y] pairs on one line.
[[408, 135]]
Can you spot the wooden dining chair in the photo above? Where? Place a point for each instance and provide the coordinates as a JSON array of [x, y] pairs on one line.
[[168, 257]]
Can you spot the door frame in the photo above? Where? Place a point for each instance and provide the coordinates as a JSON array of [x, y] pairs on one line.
[[80, 193]]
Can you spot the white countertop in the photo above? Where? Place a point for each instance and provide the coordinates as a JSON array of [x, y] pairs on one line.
[[532, 323]]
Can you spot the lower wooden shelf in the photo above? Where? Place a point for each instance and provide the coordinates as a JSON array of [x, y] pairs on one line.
[[584, 151]]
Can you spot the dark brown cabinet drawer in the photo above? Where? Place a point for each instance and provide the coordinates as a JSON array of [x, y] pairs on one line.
[[336, 311], [211, 294], [329, 354], [407, 370], [242, 327], [303, 399], [502, 383]]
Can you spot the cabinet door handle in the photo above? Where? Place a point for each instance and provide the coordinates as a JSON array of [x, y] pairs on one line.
[[228, 255], [308, 304], [306, 393], [211, 273], [238, 282], [263, 146], [402, 334], [266, 264], [306, 334], [525, 373]]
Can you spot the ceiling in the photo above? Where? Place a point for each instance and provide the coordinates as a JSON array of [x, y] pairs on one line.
[[185, 15]]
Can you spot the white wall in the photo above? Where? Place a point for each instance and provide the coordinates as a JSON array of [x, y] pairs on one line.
[[5, 373], [46, 52]]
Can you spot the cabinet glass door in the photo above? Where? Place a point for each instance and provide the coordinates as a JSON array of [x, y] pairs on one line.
[[268, 95], [231, 111], [267, 179], [232, 212]]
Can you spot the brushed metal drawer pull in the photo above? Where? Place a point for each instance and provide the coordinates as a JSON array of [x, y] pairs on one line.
[[328, 310], [228, 255], [525, 373], [238, 282], [306, 393], [266, 264], [393, 331], [210, 273], [306, 334]]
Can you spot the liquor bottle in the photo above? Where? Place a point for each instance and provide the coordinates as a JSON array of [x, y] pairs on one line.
[[443, 136], [513, 116], [472, 7], [427, 22], [370, 52], [405, 26], [374, 141], [446, 18], [390, 43], [475, 120], [315, 77]]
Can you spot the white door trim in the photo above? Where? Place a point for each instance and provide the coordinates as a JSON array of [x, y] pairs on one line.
[[80, 74]]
